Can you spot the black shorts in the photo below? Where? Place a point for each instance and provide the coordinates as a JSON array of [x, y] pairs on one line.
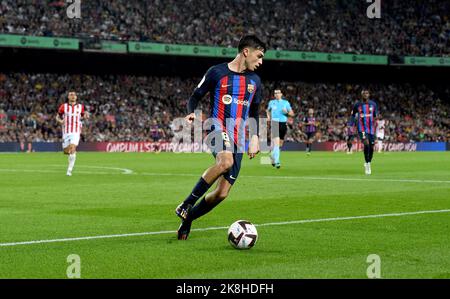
[[370, 137], [282, 129], [310, 135], [227, 145], [350, 138]]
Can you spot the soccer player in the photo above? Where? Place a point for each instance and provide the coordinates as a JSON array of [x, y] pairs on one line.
[[350, 135], [69, 116], [381, 124], [278, 111], [235, 94], [364, 113], [310, 129]]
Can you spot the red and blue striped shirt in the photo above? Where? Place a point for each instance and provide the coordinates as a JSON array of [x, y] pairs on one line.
[[234, 97]]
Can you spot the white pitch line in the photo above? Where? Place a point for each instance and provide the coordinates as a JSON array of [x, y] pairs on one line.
[[56, 171], [223, 227], [129, 171], [123, 170], [308, 178]]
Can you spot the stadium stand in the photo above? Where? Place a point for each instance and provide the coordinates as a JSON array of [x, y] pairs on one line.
[[142, 108], [417, 28]]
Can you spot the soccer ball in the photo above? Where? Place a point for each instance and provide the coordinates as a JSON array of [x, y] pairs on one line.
[[242, 234]]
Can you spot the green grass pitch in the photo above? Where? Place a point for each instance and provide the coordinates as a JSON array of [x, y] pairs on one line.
[[125, 193]]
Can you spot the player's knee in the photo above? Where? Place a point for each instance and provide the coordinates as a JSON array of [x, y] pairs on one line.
[[225, 164]]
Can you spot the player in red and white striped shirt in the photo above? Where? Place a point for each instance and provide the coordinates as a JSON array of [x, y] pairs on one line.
[[70, 115]]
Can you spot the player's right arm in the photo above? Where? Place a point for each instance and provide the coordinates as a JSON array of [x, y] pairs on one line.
[[199, 92], [268, 111], [59, 115]]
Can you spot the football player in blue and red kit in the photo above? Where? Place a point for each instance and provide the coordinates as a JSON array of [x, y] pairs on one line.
[[365, 114], [235, 94]]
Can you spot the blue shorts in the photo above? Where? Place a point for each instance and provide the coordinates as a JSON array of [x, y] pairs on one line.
[[310, 135], [364, 136], [228, 145]]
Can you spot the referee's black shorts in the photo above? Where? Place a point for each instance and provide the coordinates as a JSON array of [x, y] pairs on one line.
[[282, 129]]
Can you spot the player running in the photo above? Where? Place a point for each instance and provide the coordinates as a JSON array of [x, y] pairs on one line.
[[235, 92], [364, 114], [310, 124], [381, 124], [278, 111], [70, 115]]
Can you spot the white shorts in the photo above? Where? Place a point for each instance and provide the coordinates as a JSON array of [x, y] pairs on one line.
[[380, 136], [72, 138]]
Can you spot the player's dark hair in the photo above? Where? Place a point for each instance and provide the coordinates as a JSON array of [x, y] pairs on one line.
[[364, 89], [251, 41]]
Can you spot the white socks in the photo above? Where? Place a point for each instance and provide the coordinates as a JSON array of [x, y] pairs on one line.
[[380, 146], [72, 158]]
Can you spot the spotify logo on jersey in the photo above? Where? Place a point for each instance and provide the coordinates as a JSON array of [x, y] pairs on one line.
[[226, 99]]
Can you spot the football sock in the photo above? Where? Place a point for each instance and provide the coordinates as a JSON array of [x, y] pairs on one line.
[[366, 153], [199, 190], [349, 145], [202, 208], [371, 148], [72, 158], [276, 154]]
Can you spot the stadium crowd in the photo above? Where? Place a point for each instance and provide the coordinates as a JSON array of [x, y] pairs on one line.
[[415, 27], [133, 108]]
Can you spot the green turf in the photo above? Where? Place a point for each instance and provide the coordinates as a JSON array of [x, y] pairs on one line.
[[38, 202]]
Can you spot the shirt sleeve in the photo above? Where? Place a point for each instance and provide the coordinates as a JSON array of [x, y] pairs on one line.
[[82, 110], [202, 88], [354, 111], [289, 108], [61, 110]]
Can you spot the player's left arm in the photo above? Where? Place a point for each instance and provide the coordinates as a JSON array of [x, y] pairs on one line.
[[289, 110], [253, 147], [375, 112], [84, 114]]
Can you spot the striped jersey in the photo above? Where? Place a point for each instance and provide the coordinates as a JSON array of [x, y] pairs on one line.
[[364, 115], [71, 115], [311, 128], [233, 97]]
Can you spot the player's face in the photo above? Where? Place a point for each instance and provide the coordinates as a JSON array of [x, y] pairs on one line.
[[72, 97], [278, 94], [310, 112], [365, 94], [253, 58]]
